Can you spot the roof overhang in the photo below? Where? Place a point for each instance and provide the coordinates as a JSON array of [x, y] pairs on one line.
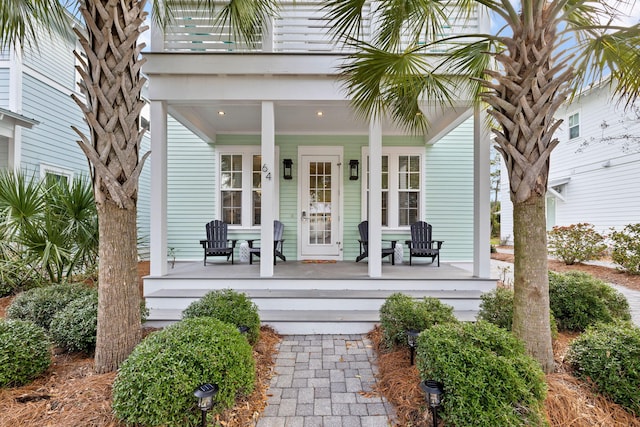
[[9, 120]]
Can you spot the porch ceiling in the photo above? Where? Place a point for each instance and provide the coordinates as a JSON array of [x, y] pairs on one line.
[[207, 119]]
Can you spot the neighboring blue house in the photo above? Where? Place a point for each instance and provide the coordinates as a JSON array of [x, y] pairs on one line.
[[250, 136], [593, 177], [37, 112]]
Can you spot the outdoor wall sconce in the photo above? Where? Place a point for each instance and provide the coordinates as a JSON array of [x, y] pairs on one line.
[[412, 338], [433, 394], [205, 393], [353, 170], [287, 169]]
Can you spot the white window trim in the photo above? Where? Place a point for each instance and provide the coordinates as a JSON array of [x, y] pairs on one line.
[[247, 152], [55, 170], [575, 113], [393, 183]]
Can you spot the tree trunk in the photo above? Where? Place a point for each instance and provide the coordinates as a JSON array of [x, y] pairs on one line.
[[531, 313], [118, 295]]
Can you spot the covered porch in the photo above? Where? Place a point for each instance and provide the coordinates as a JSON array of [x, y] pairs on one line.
[[312, 297]]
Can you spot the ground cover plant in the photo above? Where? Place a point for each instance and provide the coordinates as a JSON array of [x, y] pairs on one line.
[[155, 385], [24, 352]]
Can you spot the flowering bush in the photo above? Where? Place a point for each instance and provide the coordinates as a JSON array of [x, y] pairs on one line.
[[626, 248], [576, 243]]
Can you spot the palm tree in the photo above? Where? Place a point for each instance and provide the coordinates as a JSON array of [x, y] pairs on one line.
[[112, 84], [544, 53]]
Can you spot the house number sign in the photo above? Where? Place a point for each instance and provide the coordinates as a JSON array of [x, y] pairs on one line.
[[266, 171]]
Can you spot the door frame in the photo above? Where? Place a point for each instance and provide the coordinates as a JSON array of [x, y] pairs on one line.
[[332, 150]]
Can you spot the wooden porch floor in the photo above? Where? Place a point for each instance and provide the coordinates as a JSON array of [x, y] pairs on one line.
[[319, 271]]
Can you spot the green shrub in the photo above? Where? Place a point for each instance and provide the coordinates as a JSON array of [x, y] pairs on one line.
[[39, 305], [609, 356], [497, 308], [155, 384], [401, 312], [488, 379], [229, 306], [74, 327], [24, 352], [576, 243], [579, 300], [626, 248]]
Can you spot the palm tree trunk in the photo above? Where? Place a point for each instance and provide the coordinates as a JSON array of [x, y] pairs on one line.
[[531, 314], [118, 296]]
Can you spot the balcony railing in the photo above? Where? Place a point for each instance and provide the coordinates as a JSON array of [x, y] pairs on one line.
[[299, 27]]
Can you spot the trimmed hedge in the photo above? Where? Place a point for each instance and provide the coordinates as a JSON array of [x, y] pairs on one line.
[[74, 327], [579, 300], [24, 352], [229, 306], [609, 356], [39, 305], [488, 379], [155, 385], [400, 312]]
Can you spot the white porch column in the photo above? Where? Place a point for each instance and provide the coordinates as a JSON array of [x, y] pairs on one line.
[[269, 179], [158, 226], [375, 197], [481, 195]]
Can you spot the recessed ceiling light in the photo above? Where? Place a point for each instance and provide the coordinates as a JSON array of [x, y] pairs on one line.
[[221, 113], [319, 114]]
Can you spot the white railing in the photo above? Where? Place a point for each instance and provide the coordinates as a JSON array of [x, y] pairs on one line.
[[299, 27]]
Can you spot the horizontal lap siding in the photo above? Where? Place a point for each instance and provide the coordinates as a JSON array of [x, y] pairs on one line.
[[4, 152], [52, 142], [4, 87], [191, 169], [53, 57], [192, 191], [449, 192], [144, 201]]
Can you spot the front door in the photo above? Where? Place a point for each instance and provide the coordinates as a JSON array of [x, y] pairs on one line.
[[320, 227]]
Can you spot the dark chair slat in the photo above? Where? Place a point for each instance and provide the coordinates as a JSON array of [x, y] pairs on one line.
[[217, 243], [421, 243], [278, 244], [363, 228]]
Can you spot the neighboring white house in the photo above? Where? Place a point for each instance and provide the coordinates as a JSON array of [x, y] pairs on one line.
[[37, 112], [225, 121], [594, 172]]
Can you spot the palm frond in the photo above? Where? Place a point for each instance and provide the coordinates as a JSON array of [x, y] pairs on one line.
[[345, 18], [23, 21], [381, 82], [246, 18]]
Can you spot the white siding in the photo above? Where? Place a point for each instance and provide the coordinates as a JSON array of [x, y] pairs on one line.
[[52, 142], [604, 183], [449, 192], [190, 190]]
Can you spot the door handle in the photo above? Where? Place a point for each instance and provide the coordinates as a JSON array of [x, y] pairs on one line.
[[303, 217]]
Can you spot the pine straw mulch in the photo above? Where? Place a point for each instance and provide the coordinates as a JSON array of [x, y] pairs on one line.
[[606, 274], [70, 394], [570, 402]]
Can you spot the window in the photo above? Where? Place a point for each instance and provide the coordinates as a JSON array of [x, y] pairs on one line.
[[240, 178], [574, 125], [51, 173], [401, 186]]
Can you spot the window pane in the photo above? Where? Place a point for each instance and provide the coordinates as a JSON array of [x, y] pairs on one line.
[[257, 172], [257, 204], [408, 207], [232, 207], [385, 209]]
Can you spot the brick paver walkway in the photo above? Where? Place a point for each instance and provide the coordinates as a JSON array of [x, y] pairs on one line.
[[325, 380]]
